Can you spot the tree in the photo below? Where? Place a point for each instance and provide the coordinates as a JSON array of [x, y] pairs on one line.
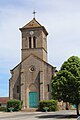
[[66, 83]]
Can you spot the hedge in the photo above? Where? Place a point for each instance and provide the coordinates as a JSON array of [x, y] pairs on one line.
[[3, 109], [13, 103], [51, 105]]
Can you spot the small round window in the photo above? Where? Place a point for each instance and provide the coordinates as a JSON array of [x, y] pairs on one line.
[[32, 69]]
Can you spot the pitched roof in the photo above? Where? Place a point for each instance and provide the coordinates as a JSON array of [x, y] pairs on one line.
[[4, 99], [34, 24], [35, 57]]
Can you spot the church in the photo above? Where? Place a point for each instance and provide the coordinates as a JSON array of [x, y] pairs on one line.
[[31, 79]]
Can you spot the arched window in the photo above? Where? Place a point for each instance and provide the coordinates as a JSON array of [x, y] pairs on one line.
[[29, 42], [34, 42], [48, 87]]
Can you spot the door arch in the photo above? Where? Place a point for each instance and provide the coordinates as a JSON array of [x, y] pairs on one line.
[[33, 96]]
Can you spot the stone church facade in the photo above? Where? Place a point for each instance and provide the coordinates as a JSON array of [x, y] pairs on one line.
[[31, 78]]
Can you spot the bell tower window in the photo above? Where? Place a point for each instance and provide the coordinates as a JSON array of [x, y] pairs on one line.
[[34, 42], [29, 42]]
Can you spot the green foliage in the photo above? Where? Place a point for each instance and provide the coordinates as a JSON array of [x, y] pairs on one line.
[[50, 104], [16, 104], [4, 109], [66, 84], [72, 65]]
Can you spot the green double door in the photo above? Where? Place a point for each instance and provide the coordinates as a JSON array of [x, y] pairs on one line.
[[33, 99]]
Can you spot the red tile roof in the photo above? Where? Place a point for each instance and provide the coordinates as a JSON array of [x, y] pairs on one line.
[[4, 99]]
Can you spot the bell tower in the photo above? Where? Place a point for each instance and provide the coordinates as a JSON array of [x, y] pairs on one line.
[[34, 40]]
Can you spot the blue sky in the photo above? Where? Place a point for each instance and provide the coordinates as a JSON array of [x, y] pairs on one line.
[[61, 18]]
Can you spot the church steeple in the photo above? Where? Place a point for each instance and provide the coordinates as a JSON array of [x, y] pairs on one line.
[[34, 40]]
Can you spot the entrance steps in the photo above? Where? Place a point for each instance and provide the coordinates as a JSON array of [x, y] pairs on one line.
[[31, 110]]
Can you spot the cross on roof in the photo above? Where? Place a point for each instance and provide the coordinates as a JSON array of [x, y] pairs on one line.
[[34, 14]]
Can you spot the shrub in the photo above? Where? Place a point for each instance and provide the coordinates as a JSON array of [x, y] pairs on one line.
[[3, 109], [50, 104], [16, 104]]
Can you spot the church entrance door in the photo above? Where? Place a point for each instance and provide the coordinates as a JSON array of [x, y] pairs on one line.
[[33, 99]]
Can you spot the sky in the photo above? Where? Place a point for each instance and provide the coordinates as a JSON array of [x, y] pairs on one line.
[[61, 18]]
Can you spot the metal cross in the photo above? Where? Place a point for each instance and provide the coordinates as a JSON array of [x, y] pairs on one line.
[[34, 14]]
